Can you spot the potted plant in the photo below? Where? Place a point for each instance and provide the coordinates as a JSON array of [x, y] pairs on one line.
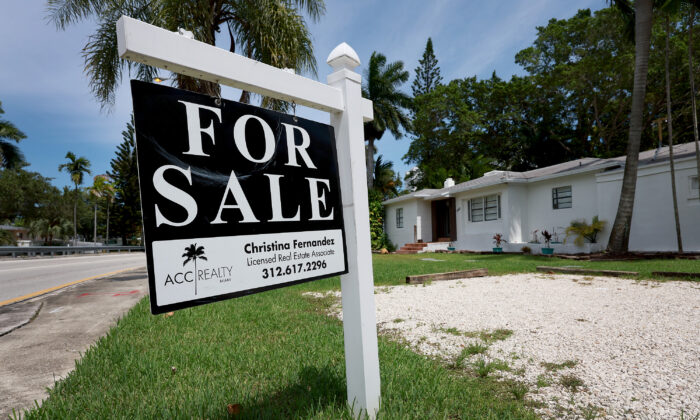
[[497, 239], [547, 239]]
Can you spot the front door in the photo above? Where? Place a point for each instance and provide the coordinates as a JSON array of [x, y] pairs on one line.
[[444, 217]]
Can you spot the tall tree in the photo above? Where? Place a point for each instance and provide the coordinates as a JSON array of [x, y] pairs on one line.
[[669, 122], [386, 181], [691, 77], [382, 84], [76, 167], [10, 155], [427, 73], [643, 14], [125, 176], [271, 31], [103, 189]]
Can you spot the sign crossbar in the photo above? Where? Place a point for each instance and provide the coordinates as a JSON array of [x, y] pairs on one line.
[[148, 44]]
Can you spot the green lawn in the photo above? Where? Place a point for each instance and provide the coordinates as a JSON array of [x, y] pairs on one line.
[[279, 356]]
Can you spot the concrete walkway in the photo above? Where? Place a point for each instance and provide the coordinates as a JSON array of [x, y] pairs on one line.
[[41, 338]]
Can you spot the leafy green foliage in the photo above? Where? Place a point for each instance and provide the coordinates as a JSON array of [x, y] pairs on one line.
[[6, 238], [573, 102], [10, 155], [427, 75], [446, 136], [378, 238], [76, 167], [127, 199], [386, 181], [270, 31], [583, 230], [381, 84]]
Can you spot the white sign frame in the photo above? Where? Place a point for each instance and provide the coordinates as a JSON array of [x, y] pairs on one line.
[[342, 97]]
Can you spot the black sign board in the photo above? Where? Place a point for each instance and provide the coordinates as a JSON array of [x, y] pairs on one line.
[[236, 199]]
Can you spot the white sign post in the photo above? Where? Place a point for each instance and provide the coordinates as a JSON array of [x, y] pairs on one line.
[[148, 44]]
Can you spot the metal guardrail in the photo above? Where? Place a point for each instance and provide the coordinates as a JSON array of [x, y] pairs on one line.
[[65, 250]]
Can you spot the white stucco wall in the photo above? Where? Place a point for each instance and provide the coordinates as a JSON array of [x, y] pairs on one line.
[[477, 236], [403, 235], [653, 224], [517, 227], [542, 215], [412, 208]]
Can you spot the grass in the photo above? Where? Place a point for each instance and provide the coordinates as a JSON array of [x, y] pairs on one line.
[[572, 382], [271, 355], [495, 335], [474, 348], [553, 367], [543, 381], [278, 355], [393, 269]]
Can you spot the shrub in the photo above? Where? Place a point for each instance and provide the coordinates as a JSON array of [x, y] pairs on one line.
[[376, 221], [526, 250], [583, 230]]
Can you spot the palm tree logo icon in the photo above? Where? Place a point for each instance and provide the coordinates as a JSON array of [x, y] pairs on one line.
[[193, 253]]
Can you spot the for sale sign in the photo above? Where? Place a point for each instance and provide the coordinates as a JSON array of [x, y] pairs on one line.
[[236, 199]]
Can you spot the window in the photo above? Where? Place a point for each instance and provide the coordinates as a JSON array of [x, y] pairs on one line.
[[484, 208], [561, 197], [694, 185], [399, 218]]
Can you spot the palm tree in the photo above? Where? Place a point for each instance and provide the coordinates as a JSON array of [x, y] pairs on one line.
[[192, 253], [271, 31], [385, 179], [76, 167], [642, 13], [10, 155], [382, 83], [103, 187], [691, 75], [669, 119], [39, 229]]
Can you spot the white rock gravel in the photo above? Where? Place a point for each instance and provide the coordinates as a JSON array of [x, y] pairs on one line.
[[636, 344]]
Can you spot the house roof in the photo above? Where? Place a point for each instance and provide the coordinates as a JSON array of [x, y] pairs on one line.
[[573, 167]]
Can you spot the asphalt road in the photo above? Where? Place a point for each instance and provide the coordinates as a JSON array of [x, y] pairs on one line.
[[23, 277], [53, 331]]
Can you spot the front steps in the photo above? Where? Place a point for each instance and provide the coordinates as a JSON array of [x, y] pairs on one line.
[[412, 248]]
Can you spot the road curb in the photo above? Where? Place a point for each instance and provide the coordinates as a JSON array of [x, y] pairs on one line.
[[17, 317]]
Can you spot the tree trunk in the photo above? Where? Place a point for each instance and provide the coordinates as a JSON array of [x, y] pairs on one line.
[[370, 163], [94, 227], [669, 113], [620, 234], [692, 90], [107, 235], [75, 219]]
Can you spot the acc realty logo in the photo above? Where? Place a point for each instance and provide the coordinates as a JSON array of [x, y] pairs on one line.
[[194, 253]]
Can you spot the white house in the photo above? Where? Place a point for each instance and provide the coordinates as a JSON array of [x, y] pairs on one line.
[[515, 204]]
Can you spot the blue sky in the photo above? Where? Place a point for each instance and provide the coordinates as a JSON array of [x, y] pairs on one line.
[[45, 93]]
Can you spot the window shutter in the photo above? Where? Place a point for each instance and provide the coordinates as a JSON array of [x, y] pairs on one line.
[[469, 210], [499, 206]]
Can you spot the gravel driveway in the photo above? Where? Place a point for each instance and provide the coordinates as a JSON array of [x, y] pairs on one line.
[[586, 346]]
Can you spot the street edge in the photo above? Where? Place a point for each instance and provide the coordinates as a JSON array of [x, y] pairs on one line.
[[52, 289]]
